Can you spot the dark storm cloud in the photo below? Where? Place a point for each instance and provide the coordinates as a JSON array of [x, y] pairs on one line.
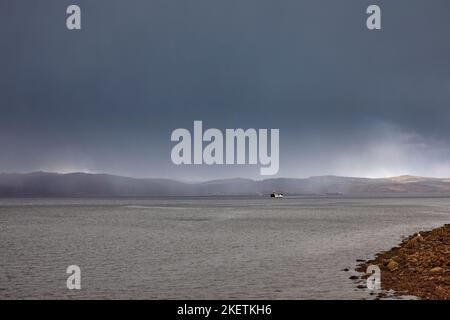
[[105, 99]]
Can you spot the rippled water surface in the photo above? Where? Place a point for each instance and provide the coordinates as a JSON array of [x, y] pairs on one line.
[[215, 248]]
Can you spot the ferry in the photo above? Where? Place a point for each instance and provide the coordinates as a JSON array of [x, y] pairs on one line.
[[276, 195]]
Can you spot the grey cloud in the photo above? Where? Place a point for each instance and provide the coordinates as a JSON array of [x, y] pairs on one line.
[[347, 101]]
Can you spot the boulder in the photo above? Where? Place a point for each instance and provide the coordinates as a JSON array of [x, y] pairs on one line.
[[437, 270], [392, 265]]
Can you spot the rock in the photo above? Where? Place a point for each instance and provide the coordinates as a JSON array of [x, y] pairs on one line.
[[414, 242], [392, 265], [354, 278], [345, 269], [419, 267], [386, 261], [361, 286], [440, 232], [437, 270], [412, 258]]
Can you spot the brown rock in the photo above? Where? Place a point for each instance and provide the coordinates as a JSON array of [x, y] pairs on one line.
[[386, 261], [419, 267], [414, 242], [437, 270], [392, 265], [412, 258]]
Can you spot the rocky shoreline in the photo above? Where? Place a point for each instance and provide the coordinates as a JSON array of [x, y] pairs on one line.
[[419, 266]]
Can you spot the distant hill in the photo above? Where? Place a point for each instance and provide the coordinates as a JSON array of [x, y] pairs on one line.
[[83, 184]]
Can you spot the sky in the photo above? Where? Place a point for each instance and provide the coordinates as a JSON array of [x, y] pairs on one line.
[[106, 98]]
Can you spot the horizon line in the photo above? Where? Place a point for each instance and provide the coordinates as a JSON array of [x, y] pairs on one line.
[[220, 179]]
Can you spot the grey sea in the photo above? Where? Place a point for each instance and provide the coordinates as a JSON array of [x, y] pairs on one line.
[[201, 248]]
